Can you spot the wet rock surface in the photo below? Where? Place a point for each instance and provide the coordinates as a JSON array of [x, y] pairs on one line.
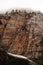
[[9, 59]]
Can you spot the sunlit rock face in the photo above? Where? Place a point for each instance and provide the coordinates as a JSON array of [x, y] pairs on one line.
[[36, 35], [21, 32]]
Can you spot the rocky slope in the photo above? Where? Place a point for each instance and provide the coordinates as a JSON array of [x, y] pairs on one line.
[[21, 32]]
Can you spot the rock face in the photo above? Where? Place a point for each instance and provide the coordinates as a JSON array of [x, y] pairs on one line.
[[22, 33]]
